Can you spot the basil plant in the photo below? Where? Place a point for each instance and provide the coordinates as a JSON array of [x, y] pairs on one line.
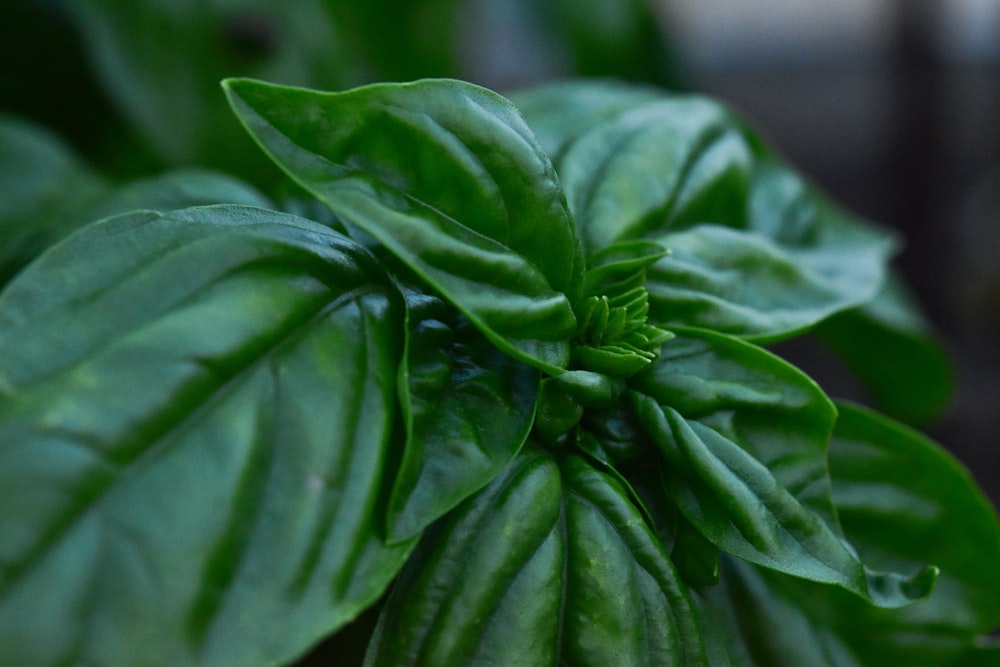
[[493, 368]]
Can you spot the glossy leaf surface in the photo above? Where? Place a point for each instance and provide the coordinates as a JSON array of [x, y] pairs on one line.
[[744, 438], [676, 169], [550, 564], [195, 410], [468, 410], [448, 178], [894, 489]]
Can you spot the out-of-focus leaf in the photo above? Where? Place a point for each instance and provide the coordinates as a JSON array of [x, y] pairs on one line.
[[162, 60], [891, 348], [180, 188], [41, 184], [195, 412]]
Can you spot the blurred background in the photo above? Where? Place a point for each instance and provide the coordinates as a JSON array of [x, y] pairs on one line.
[[891, 106]]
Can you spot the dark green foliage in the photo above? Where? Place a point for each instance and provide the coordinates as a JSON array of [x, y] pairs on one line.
[[508, 380]]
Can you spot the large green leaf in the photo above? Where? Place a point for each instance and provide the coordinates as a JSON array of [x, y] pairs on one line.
[[550, 564], [761, 625], [679, 170], [46, 193], [889, 345], [195, 411], [744, 437], [468, 409], [902, 501], [752, 398], [448, 178], [41, 184], [657, 165], [746, 284]]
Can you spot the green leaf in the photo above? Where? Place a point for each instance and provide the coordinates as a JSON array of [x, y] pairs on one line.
[[752, 398], [195, 411], [561, 111], [658, 165], [743, 437], [685, 173], [746, 284], [41, 183], [468, 410], [161, 62], [556, 566], [180, 188], [902, 501], [448, 178], [46, 193], [889, 345], [761, 625]]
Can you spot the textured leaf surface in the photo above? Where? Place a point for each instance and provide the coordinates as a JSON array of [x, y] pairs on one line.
[[194, 415], [468, 410], [550, 564], [902, 501], [448, 178], [744, 437], [678, 169], [746, 284]]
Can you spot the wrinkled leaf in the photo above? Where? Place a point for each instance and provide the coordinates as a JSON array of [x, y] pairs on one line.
[[743, 437], [759, 625], [746, 284], [754, 399], [559, 112], [654, 166], [41, 183], [448, 178], [550, 564], [675, 169], [902, 501], [468, 410], [887, 343], [195, 409]]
